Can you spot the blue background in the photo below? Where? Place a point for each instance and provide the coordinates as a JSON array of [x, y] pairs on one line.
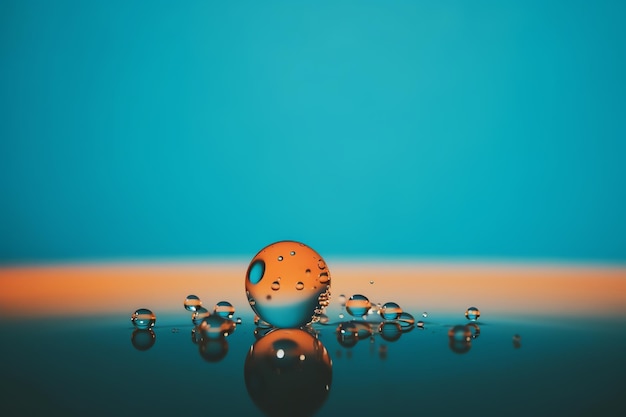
[[473, 129]]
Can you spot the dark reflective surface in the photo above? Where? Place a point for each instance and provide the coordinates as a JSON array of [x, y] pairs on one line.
[[517, 367]]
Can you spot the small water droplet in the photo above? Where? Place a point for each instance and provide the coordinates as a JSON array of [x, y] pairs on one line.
[[420, 325], [276, 285], [199, 315], [424, 314], [238, 321], [472, 313], [321, 264], [324, 278], [358, 305], [192, 302], [299, 285], [143, 318], [292, 253], [342, 300], [371, 281], [280, 258], [390, 311], [224, 309], [341, 315]]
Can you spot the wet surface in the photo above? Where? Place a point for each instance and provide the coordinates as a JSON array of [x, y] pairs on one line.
[[502, 365]]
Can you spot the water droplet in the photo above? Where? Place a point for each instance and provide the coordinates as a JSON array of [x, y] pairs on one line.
[[371, 281], [252, 302], [324, 278], [405, 320], [390, 311], [358, 305], [192, 302], [224, 309], [342, 300], [341, 315], [321, 264], [199, 315], [424, 314], [143, 318], [472, 313], [292, 253], [238, 321], [276, 285], [299, 296], [420, 325]]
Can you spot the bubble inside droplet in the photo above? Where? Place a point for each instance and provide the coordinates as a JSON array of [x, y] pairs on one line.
[[472, 313], [143, 318], [200, 314], [224, 309], [390, 311], [192, 302], [358, 305], [298, 296]]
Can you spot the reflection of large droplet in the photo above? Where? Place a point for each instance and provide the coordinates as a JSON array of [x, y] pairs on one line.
[[143, 318], [143, 339], [288, 372], [472, 313], [192, 302], [292, 300], [358, 305]]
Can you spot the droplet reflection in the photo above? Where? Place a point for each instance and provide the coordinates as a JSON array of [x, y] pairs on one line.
[[288, 372]]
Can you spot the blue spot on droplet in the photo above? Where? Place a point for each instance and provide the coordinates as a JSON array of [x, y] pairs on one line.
[[256, 271]]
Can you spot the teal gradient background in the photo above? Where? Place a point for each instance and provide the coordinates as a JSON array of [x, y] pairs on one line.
[[481, 129]]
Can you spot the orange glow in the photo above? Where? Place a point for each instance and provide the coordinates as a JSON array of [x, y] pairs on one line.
[[525, 290]]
